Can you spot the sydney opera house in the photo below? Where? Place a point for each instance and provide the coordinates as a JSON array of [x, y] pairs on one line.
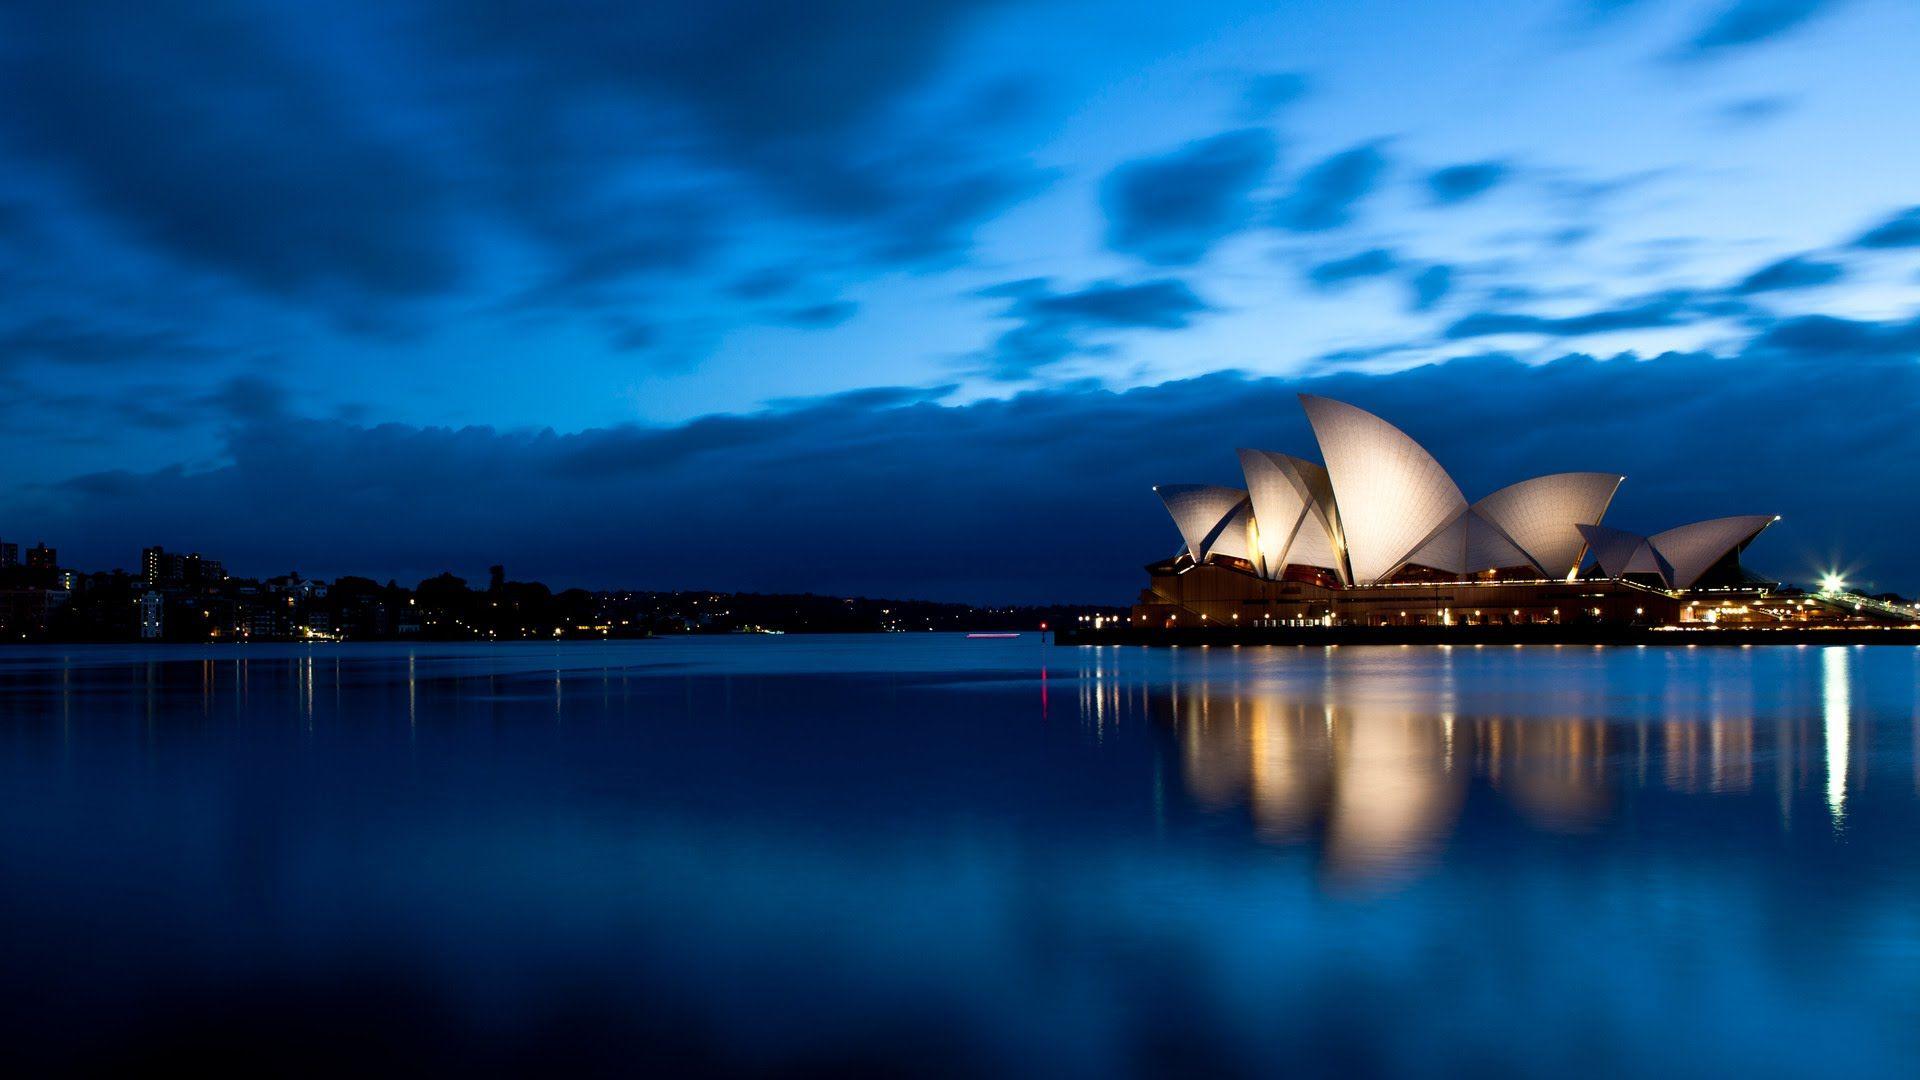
[[1377, 534]]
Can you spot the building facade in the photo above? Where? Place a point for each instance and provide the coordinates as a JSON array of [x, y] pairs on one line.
[[1378, 534]]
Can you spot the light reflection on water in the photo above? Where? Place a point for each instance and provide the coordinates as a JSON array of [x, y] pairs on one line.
[[1378, 778], [1838, 715], [926, 853]]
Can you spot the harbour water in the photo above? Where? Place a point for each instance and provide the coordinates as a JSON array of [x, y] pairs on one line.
[[931, 854]]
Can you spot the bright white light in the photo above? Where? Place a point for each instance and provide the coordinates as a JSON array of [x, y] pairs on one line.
[[1837, 714], [1832, 583]]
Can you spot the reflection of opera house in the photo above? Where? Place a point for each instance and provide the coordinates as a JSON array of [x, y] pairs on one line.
[[1373, 762], [1380, 535]]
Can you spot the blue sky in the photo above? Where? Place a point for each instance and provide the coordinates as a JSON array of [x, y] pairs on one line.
[[915, 299]]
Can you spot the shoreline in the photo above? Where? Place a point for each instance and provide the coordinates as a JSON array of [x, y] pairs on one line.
[[1559, 634]]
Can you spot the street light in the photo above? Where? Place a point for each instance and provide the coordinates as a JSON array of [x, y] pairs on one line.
[[1832, 583]]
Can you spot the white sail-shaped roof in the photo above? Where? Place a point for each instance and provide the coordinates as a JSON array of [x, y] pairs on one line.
[[1619, 552], [1691, 550], [1318, 542], [1314, 545], [1488, 548], [1542, 516], [1279, 505], [1391, 495], [1468, 545], [1446, 551], [1292, 509], [1234, 537], [1645, 560], [1201, 512]]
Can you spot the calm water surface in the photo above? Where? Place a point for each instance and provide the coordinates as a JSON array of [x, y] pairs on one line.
[[934, 854]]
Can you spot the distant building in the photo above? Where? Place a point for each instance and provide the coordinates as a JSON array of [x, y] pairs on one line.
[[42, 557], [153, 618], [161, 568], [9, 555], [294, 586], [199, 570], [23, 613], [260, 623], [158, 568]]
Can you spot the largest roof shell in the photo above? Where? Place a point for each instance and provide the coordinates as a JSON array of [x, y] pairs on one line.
[[1392, 496]]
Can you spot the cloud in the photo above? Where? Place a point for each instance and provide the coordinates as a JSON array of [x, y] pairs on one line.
[[869, 397], [1456, 184], [1588, 196], [1164, 304], [89, 411], [1824, 337], [1665, 309], [200, 130], [1269, 93], [766, 282], [632, 335], [249, 399], [760, 72], [1375, 262], [813, 105], [1045, 495], [1056, 325], [1673, 307], [822, 316], [62, 342], [1327, 193], [1902, 230], [1750, 22], [1430, 286], [1753, 111], [599, 252], [367, 161], [1603, 10], [1172, 209], [1794, 272]]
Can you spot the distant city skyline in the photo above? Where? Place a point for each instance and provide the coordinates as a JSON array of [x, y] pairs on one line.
[[919, 300]]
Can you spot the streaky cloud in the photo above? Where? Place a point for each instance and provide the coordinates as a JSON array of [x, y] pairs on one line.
[[1372, 263], [1668, 309], [1172, 209], [1052, 325], [1902, 230], [1430, 286], [1456, 184], [1754, 111], [200, 131], [1793, 272], [1832, 338], [1749, 22], [1328, 193], [1269, 93]]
